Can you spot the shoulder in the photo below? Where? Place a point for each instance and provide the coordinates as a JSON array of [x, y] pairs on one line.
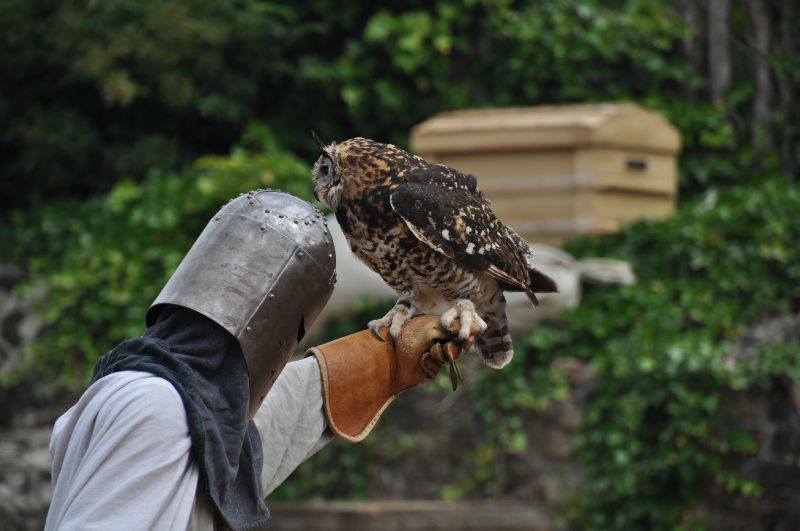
[[125, 444], [153, 400], [139, 401], [148, 388]]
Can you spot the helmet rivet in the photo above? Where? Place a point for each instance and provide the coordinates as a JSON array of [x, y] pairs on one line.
[[252, 202], [262, 227], [281, 216], [247, 328], [217, 218], [299, 255], [330, 255], [271, 296], [266, 211]]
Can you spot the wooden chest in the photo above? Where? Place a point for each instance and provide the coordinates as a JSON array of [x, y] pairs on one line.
[[556, 171]]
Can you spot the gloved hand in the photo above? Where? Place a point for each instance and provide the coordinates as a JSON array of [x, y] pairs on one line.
[[362, 374]]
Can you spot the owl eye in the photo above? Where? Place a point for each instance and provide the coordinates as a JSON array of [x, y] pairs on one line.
[[327, 171]]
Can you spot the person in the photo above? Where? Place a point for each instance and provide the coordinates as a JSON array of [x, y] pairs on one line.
[[192, 424]]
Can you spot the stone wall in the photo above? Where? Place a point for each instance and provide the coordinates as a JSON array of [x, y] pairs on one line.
[[771, 415], [24, 476], [18, 325], [27, 412]]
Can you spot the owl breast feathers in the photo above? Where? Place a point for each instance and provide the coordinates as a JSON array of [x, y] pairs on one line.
[[432, 236]]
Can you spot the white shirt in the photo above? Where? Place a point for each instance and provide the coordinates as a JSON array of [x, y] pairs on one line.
[[122, 454]]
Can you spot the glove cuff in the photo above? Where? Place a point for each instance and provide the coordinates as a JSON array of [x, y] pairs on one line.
[[358, 378]]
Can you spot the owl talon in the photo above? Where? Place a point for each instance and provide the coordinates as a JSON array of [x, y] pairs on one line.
[[455, 376], [465, 311], [375, 326], [466, 344], [401, 315], [442, 356], [394, 319], [428, 372], [448, 317]]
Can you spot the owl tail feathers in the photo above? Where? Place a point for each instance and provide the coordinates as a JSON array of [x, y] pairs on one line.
[[495, 343], [540, 283]]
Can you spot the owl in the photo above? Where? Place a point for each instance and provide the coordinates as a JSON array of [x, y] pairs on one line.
[[431, 234]]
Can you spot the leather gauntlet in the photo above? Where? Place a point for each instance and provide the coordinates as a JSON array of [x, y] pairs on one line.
[[362, 374]]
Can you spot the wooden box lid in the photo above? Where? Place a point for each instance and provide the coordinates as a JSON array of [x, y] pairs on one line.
[[621, 125]]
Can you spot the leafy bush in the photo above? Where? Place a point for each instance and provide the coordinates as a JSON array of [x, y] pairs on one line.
[[651, 435], [101, 91], [103, 261], [417, 59], [97, 91]]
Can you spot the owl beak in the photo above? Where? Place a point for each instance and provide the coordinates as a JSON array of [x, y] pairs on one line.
[[319, 142]]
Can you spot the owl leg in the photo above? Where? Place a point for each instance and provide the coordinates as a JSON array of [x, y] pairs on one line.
[[403, 311], [465, 311]]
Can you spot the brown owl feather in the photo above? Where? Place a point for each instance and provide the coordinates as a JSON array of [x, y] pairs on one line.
[[432, 236]]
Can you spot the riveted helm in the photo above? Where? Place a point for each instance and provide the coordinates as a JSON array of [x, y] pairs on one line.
[[263, 268]]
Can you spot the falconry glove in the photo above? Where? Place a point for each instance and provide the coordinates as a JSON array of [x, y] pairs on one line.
[[362, 374]]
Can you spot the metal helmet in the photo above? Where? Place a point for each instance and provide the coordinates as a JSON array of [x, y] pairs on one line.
[[263, 269]]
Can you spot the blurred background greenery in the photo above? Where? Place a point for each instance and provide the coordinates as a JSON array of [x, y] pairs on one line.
[[127, 123]]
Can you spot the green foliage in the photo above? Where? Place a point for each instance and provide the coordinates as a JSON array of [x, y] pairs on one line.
[[457, 54], [101, 91], [103, 261], [98, 91], [338, 472], [651, 435], [412, 62]]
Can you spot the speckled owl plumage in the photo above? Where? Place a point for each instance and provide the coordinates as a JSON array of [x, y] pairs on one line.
[[431, 234]]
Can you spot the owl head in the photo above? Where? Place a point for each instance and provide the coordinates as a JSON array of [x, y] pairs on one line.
[[354, 167], [328, 185], [328, 174]]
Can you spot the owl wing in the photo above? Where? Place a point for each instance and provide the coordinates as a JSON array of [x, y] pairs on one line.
[[445, 210], [445, 177]]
